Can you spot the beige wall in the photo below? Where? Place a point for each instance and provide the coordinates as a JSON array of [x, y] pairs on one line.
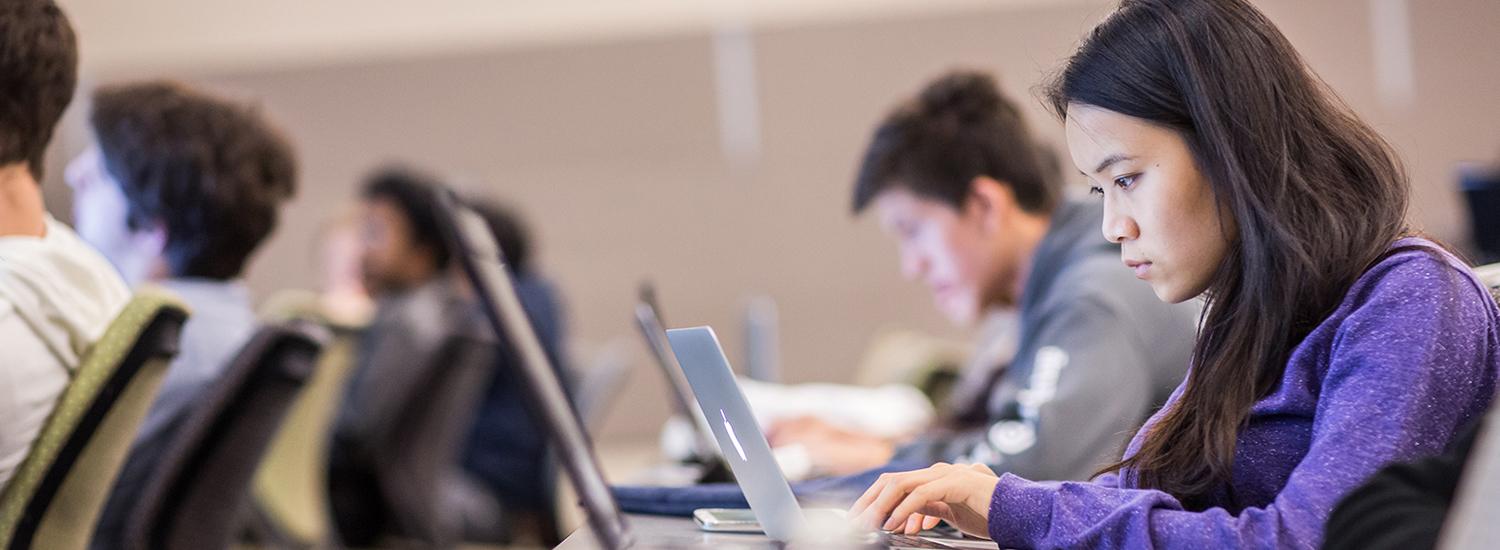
[[612, 149]]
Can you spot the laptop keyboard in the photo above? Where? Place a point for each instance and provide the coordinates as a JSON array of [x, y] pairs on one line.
[[897, 540]]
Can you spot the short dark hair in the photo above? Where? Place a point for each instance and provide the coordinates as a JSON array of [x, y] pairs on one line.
[[957, 129], [38, 71], [211, 172], [415, 195], [510, 232]]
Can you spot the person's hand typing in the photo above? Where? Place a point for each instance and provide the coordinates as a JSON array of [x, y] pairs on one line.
[[909, 502]]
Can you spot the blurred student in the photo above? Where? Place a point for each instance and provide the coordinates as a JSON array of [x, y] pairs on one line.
[[179, 189], [507, 447], [957, 180], [421, 302], [57, 295], [1333, 341], [404, 263]]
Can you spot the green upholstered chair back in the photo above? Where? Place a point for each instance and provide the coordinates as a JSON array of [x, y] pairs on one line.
[[53, 501], [290, 491]]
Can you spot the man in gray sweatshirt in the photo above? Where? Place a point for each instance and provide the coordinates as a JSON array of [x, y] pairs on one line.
[[956, 179]]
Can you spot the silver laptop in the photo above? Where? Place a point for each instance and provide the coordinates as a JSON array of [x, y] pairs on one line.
[[653, 330], [744, 445]]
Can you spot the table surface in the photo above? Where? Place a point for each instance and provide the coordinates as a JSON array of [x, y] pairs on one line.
[[669, 532], [674, 532]]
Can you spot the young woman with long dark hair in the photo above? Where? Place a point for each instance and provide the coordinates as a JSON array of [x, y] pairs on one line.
[[1333, 340]]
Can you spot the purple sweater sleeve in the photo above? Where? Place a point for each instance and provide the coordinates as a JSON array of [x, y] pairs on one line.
[[1416, 345]]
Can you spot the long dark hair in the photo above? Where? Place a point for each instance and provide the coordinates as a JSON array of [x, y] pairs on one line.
[[1316, 194]]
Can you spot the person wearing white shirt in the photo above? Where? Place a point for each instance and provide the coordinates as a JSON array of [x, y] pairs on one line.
[[57, 295]]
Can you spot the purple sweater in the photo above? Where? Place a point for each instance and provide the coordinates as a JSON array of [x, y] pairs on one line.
[[1410, 355]]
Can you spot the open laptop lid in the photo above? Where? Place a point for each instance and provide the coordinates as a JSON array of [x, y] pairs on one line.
[[653, 330], [740, 438], [477, 252]]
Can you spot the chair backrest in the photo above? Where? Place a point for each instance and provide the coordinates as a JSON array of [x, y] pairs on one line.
[[199, 488], [414, 454], [291, 488], [55, 496]]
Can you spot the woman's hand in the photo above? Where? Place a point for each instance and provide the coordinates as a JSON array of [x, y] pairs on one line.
[[913, 501]]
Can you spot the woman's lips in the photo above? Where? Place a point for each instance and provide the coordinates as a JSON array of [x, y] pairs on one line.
[[1141, 268]]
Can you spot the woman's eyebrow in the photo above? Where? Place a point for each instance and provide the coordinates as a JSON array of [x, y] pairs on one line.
[[1111, 161]]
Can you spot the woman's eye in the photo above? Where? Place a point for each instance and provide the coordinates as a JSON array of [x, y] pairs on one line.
[[1124, 182]]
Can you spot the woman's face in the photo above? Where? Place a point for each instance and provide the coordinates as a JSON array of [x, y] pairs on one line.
[[1157, 205]]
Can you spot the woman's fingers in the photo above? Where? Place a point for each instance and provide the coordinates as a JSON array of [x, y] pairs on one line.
[[931, 522], [870, 494], [879, 515], [888, 492], [912, 501], [913, 524], [920, 522], [917, 501], [865, 499]]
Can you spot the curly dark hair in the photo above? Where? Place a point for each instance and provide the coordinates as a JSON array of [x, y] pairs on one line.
[[957, 129], [38, 70], [213, 173], [415, 194]]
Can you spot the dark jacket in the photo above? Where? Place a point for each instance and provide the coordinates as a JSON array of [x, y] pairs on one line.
[[507, 446]]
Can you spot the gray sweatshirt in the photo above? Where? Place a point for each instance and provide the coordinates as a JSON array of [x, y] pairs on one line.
[[1097, 353]]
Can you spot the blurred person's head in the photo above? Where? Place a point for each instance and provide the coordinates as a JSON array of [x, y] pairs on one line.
[[38, 70], [510, 231], [1233, 174], [402, 243], [178, 183], [957, 180]]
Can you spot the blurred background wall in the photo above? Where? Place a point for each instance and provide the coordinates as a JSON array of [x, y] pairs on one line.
[[710, 146]]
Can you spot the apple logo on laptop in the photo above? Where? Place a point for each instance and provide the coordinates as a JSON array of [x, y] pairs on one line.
[[730, 428]]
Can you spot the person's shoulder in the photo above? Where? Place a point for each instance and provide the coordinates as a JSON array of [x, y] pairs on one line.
[[1417, 267], [64, 258], [1418, 251], [59, 282], [1420, 294]]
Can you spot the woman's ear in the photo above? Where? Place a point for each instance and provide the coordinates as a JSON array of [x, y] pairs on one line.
[[990, 202]]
